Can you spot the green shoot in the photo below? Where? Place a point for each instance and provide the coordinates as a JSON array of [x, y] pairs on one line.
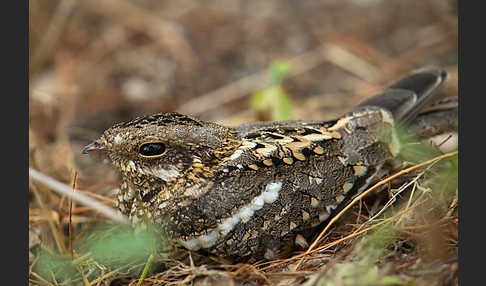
[[273, 99]]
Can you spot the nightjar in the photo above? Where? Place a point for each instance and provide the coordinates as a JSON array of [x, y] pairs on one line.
[[250, 190]]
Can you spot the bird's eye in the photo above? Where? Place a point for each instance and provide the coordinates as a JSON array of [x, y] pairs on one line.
[[152, 149]]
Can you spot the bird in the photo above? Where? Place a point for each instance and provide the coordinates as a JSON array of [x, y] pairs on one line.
[[251, 190]]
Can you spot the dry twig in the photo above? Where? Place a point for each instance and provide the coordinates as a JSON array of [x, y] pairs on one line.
[[83, 199]]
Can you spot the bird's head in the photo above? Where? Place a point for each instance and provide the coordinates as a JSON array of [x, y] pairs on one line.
[[161, 148]]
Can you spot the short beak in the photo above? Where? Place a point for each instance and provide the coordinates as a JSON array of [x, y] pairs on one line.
[[95, 145]]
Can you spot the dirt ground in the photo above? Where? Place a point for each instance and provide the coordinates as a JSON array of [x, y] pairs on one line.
[[94, 63]]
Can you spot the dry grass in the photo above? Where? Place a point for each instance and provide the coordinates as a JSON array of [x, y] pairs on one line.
[[97, 62]]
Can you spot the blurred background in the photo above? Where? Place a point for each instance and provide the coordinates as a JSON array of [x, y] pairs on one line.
[[95, 63]]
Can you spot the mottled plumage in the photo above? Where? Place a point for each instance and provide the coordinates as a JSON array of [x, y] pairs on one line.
[[249, 190]]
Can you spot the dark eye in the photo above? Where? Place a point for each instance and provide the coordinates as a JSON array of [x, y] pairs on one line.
[[152, 149]]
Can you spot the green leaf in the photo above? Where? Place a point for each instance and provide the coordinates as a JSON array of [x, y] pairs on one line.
[[283, 105], [273, 98], [258, 100], [122, 245], [279, 71], [54, 267]]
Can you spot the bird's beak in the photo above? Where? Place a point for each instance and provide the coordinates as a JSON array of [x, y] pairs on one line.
[[95, 145]]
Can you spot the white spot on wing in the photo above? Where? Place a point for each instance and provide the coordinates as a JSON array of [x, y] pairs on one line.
[[191, 244], [257, 203], [271, 192], [244, 214], [228, 224], [208, 240]]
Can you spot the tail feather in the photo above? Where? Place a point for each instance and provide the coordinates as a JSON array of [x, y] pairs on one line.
[[406, 97]]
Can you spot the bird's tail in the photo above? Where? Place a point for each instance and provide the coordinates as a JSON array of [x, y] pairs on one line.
[[409, 95]]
